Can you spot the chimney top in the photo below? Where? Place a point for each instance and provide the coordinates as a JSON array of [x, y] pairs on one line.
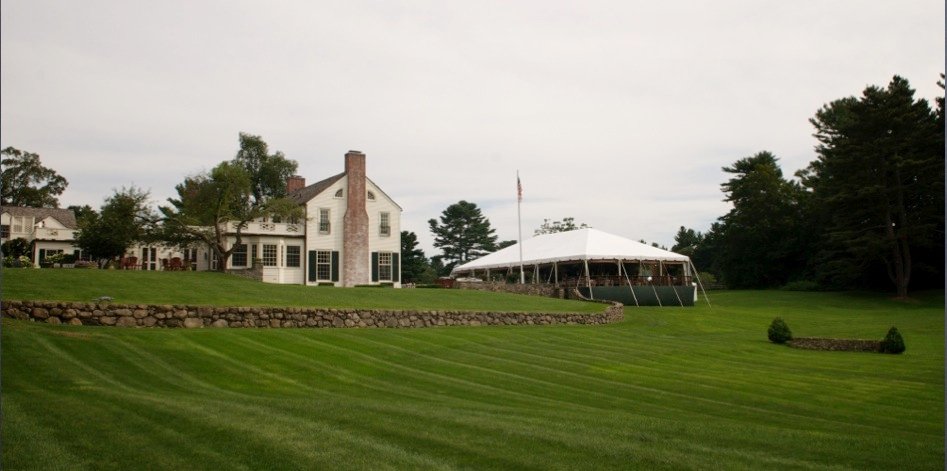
[[294, 183]]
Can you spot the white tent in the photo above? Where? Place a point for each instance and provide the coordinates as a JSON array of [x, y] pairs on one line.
[[590, 246], [572, 246]]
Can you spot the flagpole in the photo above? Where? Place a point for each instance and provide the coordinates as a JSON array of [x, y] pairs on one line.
[[519, 224]]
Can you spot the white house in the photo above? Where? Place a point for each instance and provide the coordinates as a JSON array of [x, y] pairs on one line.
[[53, 230], [351, 235]]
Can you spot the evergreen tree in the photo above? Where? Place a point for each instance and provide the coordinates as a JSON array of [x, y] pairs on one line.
[[879, 180], [463, 234], [760, 238], [686, 241], [414, 265]]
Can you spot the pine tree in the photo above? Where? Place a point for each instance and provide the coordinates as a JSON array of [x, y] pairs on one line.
[[463, 234], [879, 180]]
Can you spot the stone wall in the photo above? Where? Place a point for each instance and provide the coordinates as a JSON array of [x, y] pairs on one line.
[[542, 289], [254, 273], [142, 315]]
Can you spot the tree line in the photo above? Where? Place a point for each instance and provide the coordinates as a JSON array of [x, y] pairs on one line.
[[868, 213]]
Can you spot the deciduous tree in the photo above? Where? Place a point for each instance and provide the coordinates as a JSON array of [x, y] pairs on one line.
[[211, 205], [124, 219], [551, 227], [24, 181]]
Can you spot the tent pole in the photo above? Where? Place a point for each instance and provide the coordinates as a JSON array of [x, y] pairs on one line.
[[681, 302], [588, 279], [555, 269], [655, 293], [699, 283], [630, 288]]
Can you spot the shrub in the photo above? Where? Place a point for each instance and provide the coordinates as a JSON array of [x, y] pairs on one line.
[[17, 262], [85, 264], [779, 332], [893, 342], [17, 247], [707, 278], [801, 285]]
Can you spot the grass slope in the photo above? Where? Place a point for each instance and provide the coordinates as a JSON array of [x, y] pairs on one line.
[[666, 388], [206, 288]]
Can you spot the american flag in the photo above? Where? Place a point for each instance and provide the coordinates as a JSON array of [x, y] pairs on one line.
[[519, 189]]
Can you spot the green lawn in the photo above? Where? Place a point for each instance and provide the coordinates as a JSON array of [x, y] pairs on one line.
[[207, 288], [666, 388]]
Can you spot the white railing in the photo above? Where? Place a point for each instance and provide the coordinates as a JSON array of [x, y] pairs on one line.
[[49, 233], [270, 228]]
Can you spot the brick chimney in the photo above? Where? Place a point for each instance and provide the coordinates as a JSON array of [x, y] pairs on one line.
[[294, 183], [355, 255]]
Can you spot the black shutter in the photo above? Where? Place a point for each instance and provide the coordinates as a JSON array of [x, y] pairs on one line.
[[312, 265], [395, 269], [374, 266], [335, 265]]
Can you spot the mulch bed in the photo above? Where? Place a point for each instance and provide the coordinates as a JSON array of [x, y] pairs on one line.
[[838, 345]]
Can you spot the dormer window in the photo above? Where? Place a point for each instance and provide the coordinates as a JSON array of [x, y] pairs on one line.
[[371, 196], [338, 194]]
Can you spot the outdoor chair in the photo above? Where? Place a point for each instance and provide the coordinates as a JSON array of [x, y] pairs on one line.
[[176, 264]]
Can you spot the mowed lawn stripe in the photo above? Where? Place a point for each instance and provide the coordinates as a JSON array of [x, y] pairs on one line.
[[664, 389]]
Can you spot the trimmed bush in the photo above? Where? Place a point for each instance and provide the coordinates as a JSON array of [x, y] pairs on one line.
[[778, 331], [893, 342]]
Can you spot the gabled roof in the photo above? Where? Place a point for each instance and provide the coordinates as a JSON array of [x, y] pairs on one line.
[[307, 193], [65, 216], [302, 195], [386, 194], [577, 245]]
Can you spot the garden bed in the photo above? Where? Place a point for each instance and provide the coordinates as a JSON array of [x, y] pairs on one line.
[[839, 345]]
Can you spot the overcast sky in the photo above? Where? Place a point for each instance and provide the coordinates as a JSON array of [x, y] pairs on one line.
[[619, 114]]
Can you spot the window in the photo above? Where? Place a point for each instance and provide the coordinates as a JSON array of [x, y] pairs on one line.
[[253, 255], [22, 224], [238, 258], [338, 194], [371, 196], [292, 256], [323, 265], [324, 225], [46, 253], [5, 231], [269, 255], [190, 255], [384, 266], [384, 227]]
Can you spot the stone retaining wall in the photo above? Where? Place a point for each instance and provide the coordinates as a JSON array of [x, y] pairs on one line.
[[143, 315], [543, 289]]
